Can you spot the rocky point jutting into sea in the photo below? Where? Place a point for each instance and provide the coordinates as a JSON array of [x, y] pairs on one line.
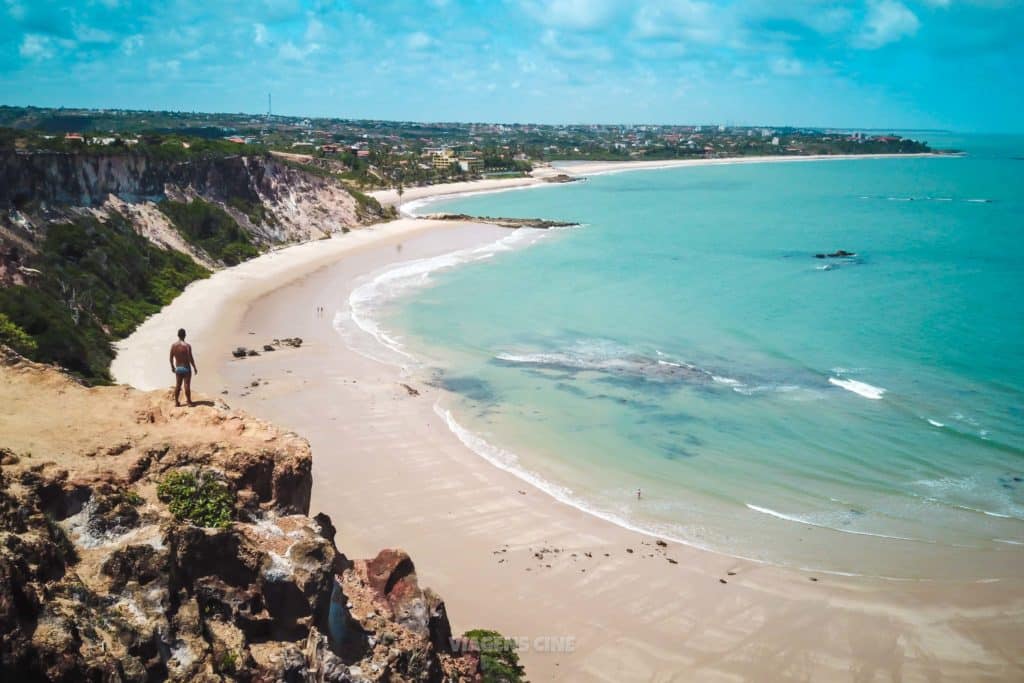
[[114, 569]]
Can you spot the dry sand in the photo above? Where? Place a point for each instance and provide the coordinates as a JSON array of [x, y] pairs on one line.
[[506, 556]]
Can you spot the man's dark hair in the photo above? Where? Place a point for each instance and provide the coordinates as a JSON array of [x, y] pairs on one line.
[[181, 334]]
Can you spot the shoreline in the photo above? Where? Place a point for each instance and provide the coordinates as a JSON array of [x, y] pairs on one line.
[[388, 471], [420, 196], [591, 168]]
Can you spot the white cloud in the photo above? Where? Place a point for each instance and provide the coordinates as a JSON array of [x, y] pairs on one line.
[[418, 41], [581, 15], [887, 21], [292, 52], [831, 20], [15, 9], [781, 66], [88, 34], [164, 69], [35, 46], [574, 48], [132, 43], [259, 34], [688, 20], [315, 31]]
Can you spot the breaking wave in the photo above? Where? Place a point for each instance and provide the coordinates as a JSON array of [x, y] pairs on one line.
[[860, 388]]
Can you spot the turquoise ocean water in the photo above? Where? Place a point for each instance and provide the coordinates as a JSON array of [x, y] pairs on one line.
[[861, 415]]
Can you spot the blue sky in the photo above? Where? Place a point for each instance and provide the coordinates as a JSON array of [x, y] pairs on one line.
[[879, 63]]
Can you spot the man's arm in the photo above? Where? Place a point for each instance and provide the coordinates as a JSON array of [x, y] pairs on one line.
[[171, 358], [192, 359]]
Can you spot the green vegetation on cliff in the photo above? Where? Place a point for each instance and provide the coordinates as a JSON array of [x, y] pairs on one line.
[[498, 658], [98, 281], [212, 229], [197, 497], [13, 336]]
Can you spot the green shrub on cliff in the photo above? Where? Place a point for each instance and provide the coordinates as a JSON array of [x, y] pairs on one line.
[[97, 282], [212, 229], [13, 336], [498, 658], [200, 498]]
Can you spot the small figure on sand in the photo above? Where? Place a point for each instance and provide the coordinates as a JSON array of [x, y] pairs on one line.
[[638, 494], [183, 363]]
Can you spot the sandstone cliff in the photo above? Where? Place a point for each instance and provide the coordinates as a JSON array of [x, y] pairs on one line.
[[93, 242], [100, 581], [274, 202]]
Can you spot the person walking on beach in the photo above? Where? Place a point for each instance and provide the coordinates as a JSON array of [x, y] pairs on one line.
[[182, 365]]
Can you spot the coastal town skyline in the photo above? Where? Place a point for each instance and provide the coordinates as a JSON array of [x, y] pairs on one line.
[[882, 64]]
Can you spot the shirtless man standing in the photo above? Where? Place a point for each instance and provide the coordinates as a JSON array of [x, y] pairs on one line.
[[182, 365]]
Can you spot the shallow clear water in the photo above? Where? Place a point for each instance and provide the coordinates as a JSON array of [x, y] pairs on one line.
[[861, 415]]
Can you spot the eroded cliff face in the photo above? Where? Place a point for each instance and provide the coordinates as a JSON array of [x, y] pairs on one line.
[[100, 581], [285, 204]]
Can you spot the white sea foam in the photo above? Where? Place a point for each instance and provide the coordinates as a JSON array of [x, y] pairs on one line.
[[985, 512], [810, 522], [368, 296], [509, 462], [935, 423], [860, 388]]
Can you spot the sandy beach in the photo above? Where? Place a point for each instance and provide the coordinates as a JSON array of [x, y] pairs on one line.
[[591, 601], [411, 196], [585, 168]]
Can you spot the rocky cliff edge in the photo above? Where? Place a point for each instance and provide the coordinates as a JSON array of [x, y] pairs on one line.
[[100, 581]]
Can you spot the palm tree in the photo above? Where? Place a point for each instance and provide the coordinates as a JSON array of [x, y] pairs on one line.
[[401, 191]]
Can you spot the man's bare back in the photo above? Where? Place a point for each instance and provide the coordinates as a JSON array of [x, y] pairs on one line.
[[183, 363]]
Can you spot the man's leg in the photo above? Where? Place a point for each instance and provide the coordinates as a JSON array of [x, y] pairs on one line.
[[188, 388], [177, 388]]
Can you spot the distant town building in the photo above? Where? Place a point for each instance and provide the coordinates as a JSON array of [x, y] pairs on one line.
[[439, 157], [471, 164], [775, 141]]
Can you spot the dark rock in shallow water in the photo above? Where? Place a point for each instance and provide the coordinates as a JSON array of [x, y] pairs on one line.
[[842, 253], [240, 352], [470, 387]]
